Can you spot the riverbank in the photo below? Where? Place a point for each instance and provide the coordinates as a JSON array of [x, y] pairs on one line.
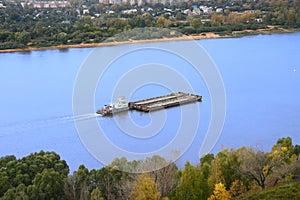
[[114, 43], [209, 35]]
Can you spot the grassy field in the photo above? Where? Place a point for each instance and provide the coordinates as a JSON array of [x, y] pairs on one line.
[[289, 191]]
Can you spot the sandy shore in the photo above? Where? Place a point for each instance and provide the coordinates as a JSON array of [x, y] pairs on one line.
[[270, 29], [191, 37]]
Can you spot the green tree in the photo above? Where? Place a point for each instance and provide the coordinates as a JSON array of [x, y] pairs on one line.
[[180, 16], [96, 194], [148, 19], [4, 182], [117, 24], [21, 192], [23, 37], [9, 195], [50, 183], [196, 22], [208, 158], [229, 163], [62, 37], [285, 146], [193, 185], [113, 183], [33, 192], [296, 150], [14, 173], [4, 35]]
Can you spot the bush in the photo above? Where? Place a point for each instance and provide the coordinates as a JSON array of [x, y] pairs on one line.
[[11, 45]]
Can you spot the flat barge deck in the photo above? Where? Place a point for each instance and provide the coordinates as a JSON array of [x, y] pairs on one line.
[[162, 102]]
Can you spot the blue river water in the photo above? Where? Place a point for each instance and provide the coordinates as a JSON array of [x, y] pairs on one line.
[[261, 76]]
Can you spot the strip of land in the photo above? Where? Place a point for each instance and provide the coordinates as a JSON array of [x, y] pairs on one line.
[[209, 35]]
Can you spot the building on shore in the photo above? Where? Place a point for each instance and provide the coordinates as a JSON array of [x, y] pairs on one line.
[[46, 4], [141, 2]]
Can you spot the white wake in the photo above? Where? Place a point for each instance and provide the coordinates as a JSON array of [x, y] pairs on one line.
[[43, 123]]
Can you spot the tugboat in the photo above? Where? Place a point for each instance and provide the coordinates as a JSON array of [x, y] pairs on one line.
[[119, 106]]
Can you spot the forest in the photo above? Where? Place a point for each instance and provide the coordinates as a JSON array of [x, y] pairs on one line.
[[88, 21], [243, 173]]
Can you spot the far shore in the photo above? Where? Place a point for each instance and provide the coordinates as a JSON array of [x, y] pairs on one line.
[[269, 30]]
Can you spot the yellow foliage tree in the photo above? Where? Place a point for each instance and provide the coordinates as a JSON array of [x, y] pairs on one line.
[[233, 18], [220, 193], [237, 188], [216, 176], [217, 19], [145, 189]]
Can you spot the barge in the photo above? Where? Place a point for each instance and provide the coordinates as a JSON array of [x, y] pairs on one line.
[[151, 104], [162, 102]]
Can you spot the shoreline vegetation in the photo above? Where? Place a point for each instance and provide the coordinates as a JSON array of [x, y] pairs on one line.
[[208, 35], [232, 174], [27, 26]]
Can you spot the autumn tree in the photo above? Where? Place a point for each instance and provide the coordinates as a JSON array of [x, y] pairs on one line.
[[216, 173], [291, 17], [217, 19], [163, 172], [75, 186], [145, 189], [254, 165], [247, 17], [237, 188], [166, 179], [233, 18], [220, 193], [162, 22], [285, 162]]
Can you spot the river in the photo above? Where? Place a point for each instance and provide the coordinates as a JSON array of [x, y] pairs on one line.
[[261, 76]]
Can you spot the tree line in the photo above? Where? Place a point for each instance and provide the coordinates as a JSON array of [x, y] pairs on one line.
[[230, 174], [25, 26]]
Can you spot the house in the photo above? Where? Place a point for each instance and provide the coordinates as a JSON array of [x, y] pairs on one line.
[[206, 10], [219, 10], [48, 4], [85, 12], [259, 20]]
